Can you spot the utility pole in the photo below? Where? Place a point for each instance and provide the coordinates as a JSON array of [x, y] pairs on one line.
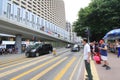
[[88, 34]]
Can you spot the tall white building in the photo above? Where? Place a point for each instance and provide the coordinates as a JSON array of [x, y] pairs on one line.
[[45, 15], [44, 19], [51, 10], [69, 29]]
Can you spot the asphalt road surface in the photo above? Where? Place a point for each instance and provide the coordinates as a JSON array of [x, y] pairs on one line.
[[65, 66]]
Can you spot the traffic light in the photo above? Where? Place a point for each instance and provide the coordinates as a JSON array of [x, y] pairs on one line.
[[86, 32]]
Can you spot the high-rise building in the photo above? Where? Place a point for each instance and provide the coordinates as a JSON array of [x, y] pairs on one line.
[[39, 19], [42, 15], [51, 10], [69, 29]]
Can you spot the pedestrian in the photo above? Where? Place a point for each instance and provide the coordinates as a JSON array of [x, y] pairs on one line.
[[91, 49], [0, 51], [118, 48], [104, 54], [87, 54], [97, 53]]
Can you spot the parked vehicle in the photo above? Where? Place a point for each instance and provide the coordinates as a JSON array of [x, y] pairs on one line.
[[68, 46], [75, 48], [39, 49]]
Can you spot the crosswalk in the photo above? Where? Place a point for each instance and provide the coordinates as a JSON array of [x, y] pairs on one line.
[[47, 67]]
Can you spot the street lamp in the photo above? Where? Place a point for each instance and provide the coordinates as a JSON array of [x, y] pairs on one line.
[[88, 33]]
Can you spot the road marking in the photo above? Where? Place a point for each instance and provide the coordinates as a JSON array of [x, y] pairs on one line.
[[79, 71], [14, 62], [9, 61], [94, 71], [23, 62], [35, 68], [62, 72], [48, 69], [73, 73], [22, 67], [85, 73]]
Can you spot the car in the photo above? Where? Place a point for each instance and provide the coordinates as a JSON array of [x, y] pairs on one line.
[[68, 46], [38, 49], [75, 48]]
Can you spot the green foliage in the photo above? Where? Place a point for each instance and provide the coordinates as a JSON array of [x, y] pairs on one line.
[[100, 17]]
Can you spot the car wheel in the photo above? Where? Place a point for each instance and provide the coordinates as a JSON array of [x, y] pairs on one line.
[[27, 55], [37, 54]]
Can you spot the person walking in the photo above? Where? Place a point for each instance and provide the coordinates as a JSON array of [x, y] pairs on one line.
[[118, 48], [104, 54], [97, 53], [92, 49], [87, 54]]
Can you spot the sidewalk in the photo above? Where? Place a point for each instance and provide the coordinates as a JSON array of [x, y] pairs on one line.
[[114, 72], [4, 58]]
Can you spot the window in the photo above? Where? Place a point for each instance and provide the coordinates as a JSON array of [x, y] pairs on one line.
[[46, 24], [38, 23], [26, 16], [41, 21], [8, 10], [32, 20], [18, 14]]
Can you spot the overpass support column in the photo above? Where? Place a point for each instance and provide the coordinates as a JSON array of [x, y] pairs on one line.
[[18, 43]]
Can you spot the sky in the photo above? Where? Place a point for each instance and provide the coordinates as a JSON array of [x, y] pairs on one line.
[[72, 7]]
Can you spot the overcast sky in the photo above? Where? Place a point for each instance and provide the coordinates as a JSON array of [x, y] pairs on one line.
[[72, 7]]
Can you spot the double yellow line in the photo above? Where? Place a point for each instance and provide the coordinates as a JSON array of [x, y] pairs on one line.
[[35, 68], [39, 75], [24, 61], [21, 67], [14, 62], [48, 69], [62, 72], [76, 67], [11, 60]]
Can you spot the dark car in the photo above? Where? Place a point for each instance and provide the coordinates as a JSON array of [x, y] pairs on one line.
[[75, 48], [39, 49]]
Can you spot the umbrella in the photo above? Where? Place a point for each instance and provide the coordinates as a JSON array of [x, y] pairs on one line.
[[113, 34]]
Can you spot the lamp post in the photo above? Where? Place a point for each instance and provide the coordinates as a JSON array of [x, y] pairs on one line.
[[88, 34]]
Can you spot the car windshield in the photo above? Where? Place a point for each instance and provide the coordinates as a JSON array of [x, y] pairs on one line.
[[36, 46], [75, 46]]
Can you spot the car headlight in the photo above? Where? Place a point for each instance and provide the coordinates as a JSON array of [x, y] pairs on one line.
[[33, 50]]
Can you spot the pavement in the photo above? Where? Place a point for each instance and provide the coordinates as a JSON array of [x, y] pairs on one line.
[[114, 72], [100, 73]]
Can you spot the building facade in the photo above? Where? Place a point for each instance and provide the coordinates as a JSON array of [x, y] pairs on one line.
[[42, 18], [69, 29], [45, 15], [50, 10]]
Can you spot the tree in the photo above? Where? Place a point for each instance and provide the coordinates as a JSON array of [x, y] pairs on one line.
[[100, 17]]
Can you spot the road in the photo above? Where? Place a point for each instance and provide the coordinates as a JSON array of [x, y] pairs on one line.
[[65, 66]]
